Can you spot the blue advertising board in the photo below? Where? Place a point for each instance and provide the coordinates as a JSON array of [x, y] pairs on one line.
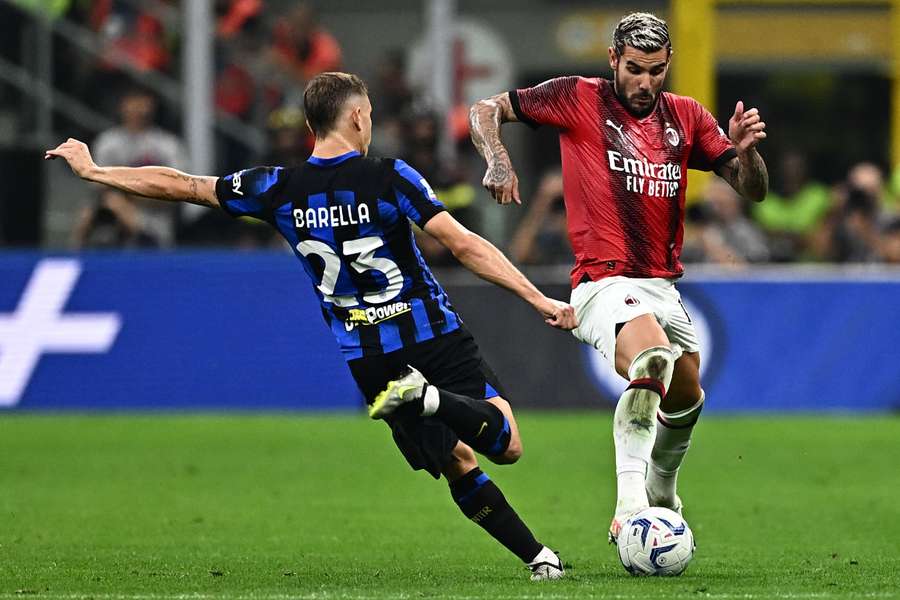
[[183, 331], [238, 331]]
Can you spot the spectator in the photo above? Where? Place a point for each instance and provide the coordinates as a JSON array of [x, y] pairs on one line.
[[794, 214], [290, 141], [235, 87], [240, 69], [233, 17], [450, 183], [238, 46], [113, 223], [300, 50], [136, 142], [868, 179], [741, 239], [393, 97], [391, 100], [851, 231], [890, 242], [541, 236], [131, 39], [134, 38], [703, 240]]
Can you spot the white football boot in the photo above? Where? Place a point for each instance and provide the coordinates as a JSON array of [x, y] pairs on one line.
[[407, 388], [616, 526], [546, 565]]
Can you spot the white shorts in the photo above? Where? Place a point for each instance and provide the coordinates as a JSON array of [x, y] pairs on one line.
[[602, 305]]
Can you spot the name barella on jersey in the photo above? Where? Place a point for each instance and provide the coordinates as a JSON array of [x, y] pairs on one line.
[[624, 178], [347, 219]]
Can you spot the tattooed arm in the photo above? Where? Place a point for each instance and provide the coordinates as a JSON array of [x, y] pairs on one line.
[[154, 182], [746, 173], [485, 119]]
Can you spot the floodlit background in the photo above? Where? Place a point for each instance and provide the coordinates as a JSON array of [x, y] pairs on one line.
[[809, 275]]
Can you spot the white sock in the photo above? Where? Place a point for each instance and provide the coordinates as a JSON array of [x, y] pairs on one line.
[[673, 438], [633, 434], [634, 425], [430, 401]]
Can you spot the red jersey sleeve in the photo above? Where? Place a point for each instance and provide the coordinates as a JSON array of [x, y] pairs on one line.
[[711, 147], [554, 102]]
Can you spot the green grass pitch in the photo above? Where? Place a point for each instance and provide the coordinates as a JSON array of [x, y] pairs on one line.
[[286, 506]]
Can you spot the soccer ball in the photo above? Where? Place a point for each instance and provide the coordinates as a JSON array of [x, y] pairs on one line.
[[655, 541]]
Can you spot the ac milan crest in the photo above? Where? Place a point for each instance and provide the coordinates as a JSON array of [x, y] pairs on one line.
[[672, 136]]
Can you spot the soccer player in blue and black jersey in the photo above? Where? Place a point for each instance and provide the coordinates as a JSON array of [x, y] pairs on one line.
[[347, 217]]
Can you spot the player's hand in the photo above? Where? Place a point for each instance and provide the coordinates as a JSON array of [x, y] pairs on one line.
[[76, 154], [745, 128], [560, 315], [502, 182]]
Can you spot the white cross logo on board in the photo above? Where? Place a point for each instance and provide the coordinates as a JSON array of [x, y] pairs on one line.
[[39, 326]]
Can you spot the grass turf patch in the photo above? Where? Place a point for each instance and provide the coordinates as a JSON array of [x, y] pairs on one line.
[[287, 506]]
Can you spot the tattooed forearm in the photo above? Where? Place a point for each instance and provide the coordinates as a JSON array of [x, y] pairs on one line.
[[485, 119], [160, 182], [188, 188], [194, 196], [748, 175]]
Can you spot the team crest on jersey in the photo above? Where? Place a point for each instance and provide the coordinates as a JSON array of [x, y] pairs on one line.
[[631, 300], [672, 136]]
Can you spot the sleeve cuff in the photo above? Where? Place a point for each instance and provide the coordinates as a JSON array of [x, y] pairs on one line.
[[431, 214], [517, 109], [222, 190], [723, 158]]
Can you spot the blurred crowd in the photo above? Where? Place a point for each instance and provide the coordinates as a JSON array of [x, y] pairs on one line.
[[263, 60], [856, 220]]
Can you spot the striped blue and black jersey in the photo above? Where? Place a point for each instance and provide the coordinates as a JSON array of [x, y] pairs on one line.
[[348, 221]]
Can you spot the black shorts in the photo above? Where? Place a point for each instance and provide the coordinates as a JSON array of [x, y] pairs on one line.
[[450, 362]]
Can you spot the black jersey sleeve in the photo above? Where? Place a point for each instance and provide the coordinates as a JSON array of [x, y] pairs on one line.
[[251, 192], [415, 197]]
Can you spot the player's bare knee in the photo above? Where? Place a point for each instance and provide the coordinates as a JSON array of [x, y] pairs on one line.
[[465, 462], [513, 452]]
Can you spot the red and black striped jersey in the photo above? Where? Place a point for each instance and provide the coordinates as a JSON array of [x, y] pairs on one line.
[[624, 178]]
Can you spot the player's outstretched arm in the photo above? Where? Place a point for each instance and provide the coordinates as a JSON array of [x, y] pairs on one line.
[[747, 172], [153, 182], [485, 260], [485, 118]]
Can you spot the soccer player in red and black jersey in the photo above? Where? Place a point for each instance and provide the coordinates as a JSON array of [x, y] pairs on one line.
[[626, 148]]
